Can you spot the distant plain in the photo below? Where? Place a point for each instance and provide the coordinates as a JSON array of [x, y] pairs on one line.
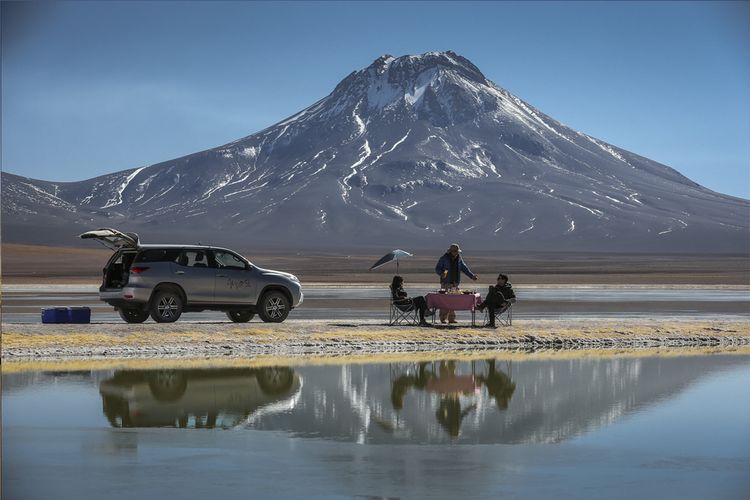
[[71, 265]]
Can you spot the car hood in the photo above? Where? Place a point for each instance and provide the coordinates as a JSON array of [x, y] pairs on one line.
[[271, 272]]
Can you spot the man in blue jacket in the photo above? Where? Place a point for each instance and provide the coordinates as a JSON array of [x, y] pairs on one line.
[[449, 268]]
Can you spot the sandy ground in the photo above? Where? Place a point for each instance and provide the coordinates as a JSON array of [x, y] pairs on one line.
[[34, 343], [44, 264]]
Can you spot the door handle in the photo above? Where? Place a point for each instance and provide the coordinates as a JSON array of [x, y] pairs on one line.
[[221, 275], [179, 272]]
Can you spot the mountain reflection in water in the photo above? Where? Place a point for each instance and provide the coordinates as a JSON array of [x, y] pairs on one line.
[[481, 401]]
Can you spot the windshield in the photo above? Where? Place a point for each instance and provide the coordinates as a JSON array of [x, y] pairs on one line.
[[229, 260]]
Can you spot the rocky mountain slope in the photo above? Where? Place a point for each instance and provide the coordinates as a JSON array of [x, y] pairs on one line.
[[411, 152]]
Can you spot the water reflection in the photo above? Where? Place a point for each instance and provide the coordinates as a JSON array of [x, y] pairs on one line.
[[680, 429], [451, 388], [484, 401], [480, 401], [222, 398]]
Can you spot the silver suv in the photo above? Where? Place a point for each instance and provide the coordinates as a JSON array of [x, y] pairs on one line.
[[167, 280]]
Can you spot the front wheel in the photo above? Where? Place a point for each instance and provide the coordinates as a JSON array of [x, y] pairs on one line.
[[275, 380], [166, 307], [240, 316], [273, 307], [167, 385], [133, 315]]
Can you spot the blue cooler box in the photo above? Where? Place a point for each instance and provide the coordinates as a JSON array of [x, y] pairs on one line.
[[55, 315], [66, 315], [79, 314]]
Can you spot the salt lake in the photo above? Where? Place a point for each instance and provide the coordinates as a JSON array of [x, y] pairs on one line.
[[623, 426]]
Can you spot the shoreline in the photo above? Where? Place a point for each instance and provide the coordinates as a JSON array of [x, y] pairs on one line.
[[199, 363], [302, 339]]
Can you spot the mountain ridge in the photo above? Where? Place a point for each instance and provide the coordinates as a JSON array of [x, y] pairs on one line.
[[418, 150]]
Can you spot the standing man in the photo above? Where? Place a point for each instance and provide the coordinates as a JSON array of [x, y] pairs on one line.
[[449, 268]]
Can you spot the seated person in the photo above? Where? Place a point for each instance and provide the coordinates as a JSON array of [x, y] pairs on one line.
[[404, 303], [499, 298]]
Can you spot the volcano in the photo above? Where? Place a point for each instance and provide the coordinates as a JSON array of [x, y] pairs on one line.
[[413, 152]]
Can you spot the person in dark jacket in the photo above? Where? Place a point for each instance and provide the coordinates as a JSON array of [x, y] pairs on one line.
[[499, 297], [402, 301], [449, 268]]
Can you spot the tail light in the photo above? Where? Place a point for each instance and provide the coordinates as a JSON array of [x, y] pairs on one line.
[[137, 269]]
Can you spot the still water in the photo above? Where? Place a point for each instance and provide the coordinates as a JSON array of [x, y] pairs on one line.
[[587, 427], [22, 303]]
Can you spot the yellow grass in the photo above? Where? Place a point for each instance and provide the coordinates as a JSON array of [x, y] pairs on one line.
[[262, 361], [17, 336]]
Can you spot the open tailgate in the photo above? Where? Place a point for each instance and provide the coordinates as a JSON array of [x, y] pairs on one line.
[[112, 238]]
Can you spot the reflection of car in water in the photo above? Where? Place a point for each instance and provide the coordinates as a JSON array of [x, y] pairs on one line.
[[207, 398]]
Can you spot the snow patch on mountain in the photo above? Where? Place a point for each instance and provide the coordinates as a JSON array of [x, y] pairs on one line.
[[117, 199]]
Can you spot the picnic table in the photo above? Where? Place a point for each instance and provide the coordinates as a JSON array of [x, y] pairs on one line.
[[455, 302]]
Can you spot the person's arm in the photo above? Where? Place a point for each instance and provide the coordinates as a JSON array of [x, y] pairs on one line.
[[402, 298], [465, 269], [506, 292], [441, 267]]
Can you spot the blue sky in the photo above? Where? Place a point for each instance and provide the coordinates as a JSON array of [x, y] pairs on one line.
[[90, 88]]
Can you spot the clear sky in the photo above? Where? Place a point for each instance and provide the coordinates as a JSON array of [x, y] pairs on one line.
[[90, 88]]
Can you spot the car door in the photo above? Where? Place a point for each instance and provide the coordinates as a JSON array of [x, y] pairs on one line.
[[234, 279], [195, 274]]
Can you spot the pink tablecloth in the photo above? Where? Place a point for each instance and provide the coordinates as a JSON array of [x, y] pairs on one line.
[[455, 302]]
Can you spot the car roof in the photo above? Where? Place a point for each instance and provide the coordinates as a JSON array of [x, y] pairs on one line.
[[153, 246]]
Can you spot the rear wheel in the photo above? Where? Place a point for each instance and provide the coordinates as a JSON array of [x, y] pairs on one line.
[[273, 307], [166, 306], [240, 316], [133, 315]]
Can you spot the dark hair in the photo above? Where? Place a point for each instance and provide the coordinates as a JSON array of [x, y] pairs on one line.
[[397, 282], [502, 276]]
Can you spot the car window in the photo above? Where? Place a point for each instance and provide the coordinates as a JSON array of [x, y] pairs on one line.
[[158, 255], [115, 259], [119, 257], [193, 258], [227, 260]]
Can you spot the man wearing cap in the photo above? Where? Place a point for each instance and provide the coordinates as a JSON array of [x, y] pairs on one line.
[[449, 268]]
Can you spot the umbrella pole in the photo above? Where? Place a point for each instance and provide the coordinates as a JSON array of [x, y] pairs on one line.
[[396, 266]]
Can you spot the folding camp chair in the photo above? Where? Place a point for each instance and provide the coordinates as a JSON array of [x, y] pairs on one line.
[[503, 315], [403, 314]]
